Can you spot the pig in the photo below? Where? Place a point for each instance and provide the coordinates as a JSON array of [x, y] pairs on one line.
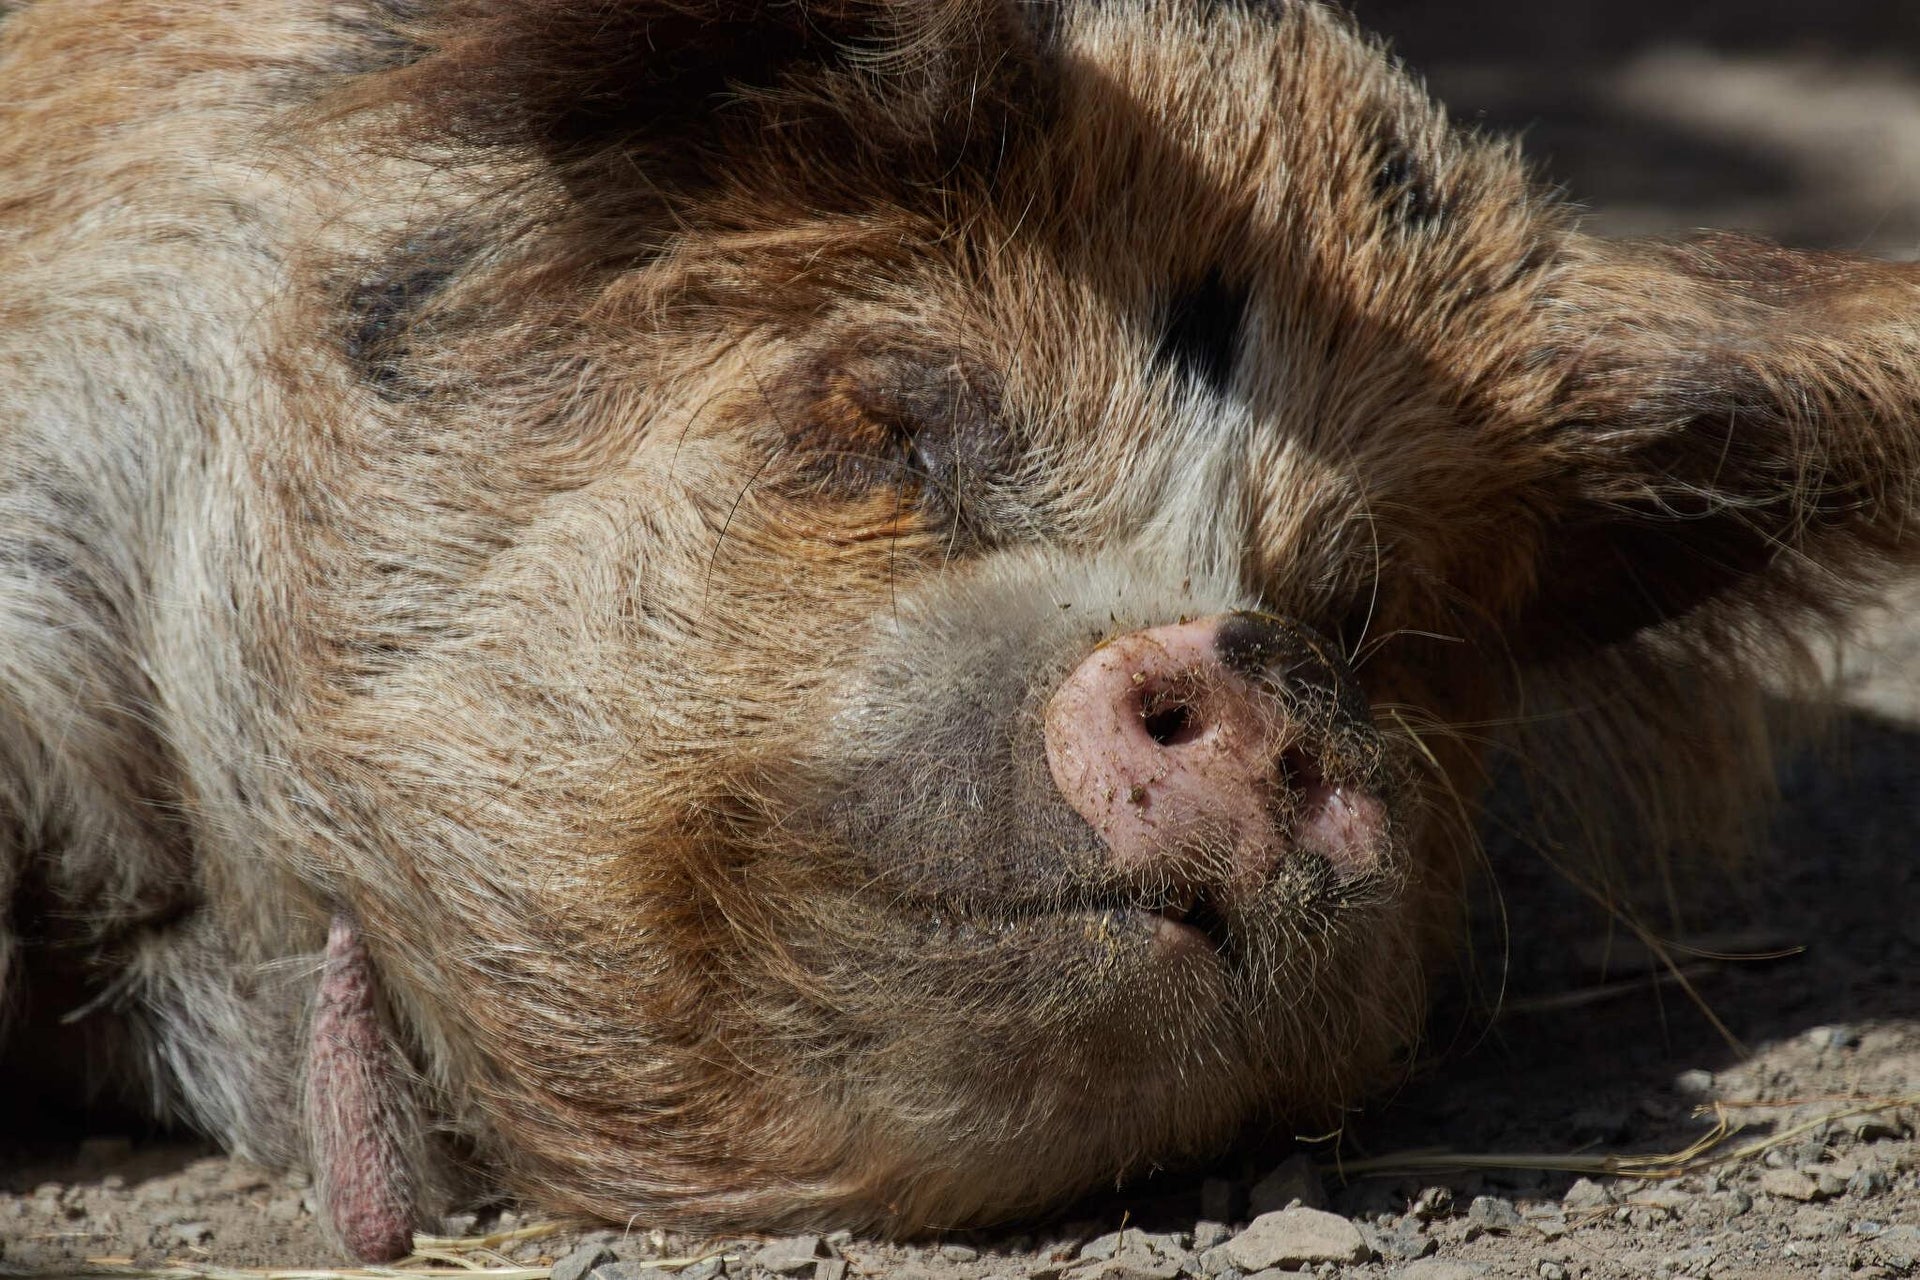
[[852, 613]]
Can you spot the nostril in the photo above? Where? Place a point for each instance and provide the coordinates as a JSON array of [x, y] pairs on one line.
[[1295, 770], [1169, 726], [1169, 717]]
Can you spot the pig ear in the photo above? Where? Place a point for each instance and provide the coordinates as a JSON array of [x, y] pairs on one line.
[[667, 90], [1734, 431]]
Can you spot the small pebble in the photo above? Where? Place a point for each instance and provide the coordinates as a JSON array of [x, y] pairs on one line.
[[1789, 1184], [1491, 1213], [1403, 1241], [1586, 1194], [1440, 1269], [631, 1270], [581, 1262], [1293, 1237], [1208, 1234], [1657, 1204], [1695, 1083], [1833, 1037], [1132, 1264], [1216, 1262], [1552, 1271], [958, 1253], [1168, 1244], [789, 1256]]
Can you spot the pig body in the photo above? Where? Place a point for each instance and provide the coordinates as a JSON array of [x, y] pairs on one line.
[[862, 614]]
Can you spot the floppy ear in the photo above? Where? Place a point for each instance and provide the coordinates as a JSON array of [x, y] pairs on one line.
[[669, 91], [1735, 425]]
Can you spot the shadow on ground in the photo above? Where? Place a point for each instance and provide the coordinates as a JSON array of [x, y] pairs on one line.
[[1796, 119]]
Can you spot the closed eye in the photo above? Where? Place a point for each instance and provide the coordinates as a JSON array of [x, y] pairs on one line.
[[927, 421]]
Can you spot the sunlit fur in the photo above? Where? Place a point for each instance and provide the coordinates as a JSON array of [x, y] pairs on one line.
[[456, 475]]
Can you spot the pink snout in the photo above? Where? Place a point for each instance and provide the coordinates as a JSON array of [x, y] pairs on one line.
[[1168, 750]]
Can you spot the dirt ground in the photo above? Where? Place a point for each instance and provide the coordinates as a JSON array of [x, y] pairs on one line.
[[1562, 1036]]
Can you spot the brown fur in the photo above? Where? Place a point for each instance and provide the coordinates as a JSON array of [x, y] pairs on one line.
[[598, 493]]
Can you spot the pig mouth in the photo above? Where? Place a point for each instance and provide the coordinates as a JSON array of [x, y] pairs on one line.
[[1200, 917], [1196, 919], [1202, 895]]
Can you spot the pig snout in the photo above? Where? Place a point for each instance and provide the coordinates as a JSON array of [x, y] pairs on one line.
[[1213, 736]]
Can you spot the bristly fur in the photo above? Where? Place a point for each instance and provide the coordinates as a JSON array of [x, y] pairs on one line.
[[599, 492]]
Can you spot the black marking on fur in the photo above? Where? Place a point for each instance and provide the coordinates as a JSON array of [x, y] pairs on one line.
[[1202, 333], [375, 35], [1401, 184], [385, 304]]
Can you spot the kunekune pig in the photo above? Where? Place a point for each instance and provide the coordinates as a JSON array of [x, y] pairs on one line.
[[840, 612]]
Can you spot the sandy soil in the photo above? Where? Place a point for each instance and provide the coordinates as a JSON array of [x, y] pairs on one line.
[[1562, 1035]]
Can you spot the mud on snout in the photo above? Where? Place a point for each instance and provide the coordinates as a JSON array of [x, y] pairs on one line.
[[1092, 853]]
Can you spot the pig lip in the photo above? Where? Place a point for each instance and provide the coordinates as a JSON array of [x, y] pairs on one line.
[[1186, 918], [1194, 919], [1188, 922]]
